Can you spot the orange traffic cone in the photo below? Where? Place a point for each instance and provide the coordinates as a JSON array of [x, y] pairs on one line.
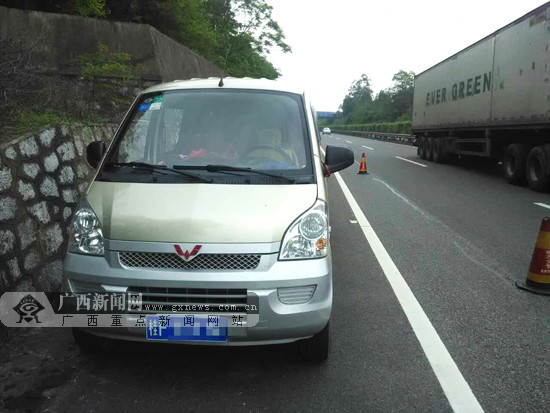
[[363, 165], [538, 276]]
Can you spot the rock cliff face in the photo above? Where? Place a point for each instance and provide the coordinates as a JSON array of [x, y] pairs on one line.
[[41, 179]]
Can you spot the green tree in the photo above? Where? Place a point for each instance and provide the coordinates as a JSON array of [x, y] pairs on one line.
[[255, 16], [245, 34], [90, 8], [389, 105], [402, 94], [360, 90], [357, 100], [243, 61], [382, 108]]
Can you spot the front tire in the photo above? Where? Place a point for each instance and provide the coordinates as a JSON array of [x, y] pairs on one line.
[[316, 348], [515, 160], [536, 168]]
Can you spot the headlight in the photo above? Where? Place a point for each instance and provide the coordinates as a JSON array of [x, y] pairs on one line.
[[307, 237], [86, 236]]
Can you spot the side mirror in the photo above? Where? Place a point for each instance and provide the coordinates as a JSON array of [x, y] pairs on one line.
[[338, 158], [94, 153]]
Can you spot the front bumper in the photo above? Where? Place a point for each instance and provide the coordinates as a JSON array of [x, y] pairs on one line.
[[278, 322]]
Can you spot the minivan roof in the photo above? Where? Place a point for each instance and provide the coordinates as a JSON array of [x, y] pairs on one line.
[[228, 83]]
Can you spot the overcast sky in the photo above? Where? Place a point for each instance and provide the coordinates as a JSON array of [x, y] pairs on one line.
[[335, 41]]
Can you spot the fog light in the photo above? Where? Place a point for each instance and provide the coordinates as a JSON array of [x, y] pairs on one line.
[[296, 295], [83, 287]]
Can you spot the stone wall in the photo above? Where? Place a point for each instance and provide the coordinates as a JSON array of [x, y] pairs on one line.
[[57, 40], [41, 179]]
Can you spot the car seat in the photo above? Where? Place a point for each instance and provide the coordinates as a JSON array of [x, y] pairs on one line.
[[269, 146]]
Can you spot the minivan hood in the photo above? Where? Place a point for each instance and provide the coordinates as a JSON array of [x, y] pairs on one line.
[[205, 213]]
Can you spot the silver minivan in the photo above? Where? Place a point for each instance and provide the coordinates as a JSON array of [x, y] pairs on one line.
[[212, 193]]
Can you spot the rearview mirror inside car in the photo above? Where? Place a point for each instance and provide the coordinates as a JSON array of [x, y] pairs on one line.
[[94, 153], [338, 158]]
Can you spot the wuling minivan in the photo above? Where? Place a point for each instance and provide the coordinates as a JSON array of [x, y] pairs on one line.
[[212, 191]]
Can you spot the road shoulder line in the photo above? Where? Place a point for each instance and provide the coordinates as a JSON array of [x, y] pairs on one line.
[[540, 204], [455, 387], [408, 160]]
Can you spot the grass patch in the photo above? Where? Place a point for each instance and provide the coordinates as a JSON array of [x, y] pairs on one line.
[[32, 121], [390, 127]]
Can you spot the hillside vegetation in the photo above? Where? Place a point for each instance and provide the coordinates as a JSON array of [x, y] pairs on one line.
[[234, 34]]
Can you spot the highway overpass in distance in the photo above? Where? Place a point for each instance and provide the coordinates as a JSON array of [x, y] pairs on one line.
[[329, 114]]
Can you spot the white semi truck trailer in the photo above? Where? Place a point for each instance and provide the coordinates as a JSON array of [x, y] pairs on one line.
[[492, 100]]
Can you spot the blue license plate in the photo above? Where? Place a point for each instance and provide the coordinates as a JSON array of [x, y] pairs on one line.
[[186, 328]]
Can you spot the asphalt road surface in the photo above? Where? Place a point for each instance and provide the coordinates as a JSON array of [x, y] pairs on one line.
[[456, 238]]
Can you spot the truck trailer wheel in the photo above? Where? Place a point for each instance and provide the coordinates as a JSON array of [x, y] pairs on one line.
[[422, 148], [429, 148], [515, 160], [438, 155], [537, 163]]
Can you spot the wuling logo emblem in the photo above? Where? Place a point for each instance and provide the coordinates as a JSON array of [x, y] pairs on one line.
[[187, 256], [28, 309]]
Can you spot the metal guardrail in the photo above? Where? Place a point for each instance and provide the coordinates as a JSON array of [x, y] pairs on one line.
[[402, 138]]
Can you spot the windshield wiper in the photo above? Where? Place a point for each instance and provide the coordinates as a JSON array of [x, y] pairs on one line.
[[227, 168], [163, 169]]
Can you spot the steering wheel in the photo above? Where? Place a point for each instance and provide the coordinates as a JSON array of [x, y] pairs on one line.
[[286, 157]]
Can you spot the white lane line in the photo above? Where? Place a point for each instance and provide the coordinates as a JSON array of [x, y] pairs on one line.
[[338, 138], [542, 205], [408, 160], [348, 141], [394, 143], [368, 147], [458, 392], [357, 163]]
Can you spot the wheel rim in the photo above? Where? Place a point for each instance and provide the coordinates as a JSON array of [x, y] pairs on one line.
[[535, 169]]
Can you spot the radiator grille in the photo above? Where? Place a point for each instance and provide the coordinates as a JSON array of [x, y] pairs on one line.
[[158, 299], [157, 260]]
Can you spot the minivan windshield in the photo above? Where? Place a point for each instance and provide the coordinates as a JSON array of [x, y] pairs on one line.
[[222, 135]]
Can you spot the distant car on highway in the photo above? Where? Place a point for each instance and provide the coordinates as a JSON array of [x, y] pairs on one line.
[[326, 131], [210, 204]]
